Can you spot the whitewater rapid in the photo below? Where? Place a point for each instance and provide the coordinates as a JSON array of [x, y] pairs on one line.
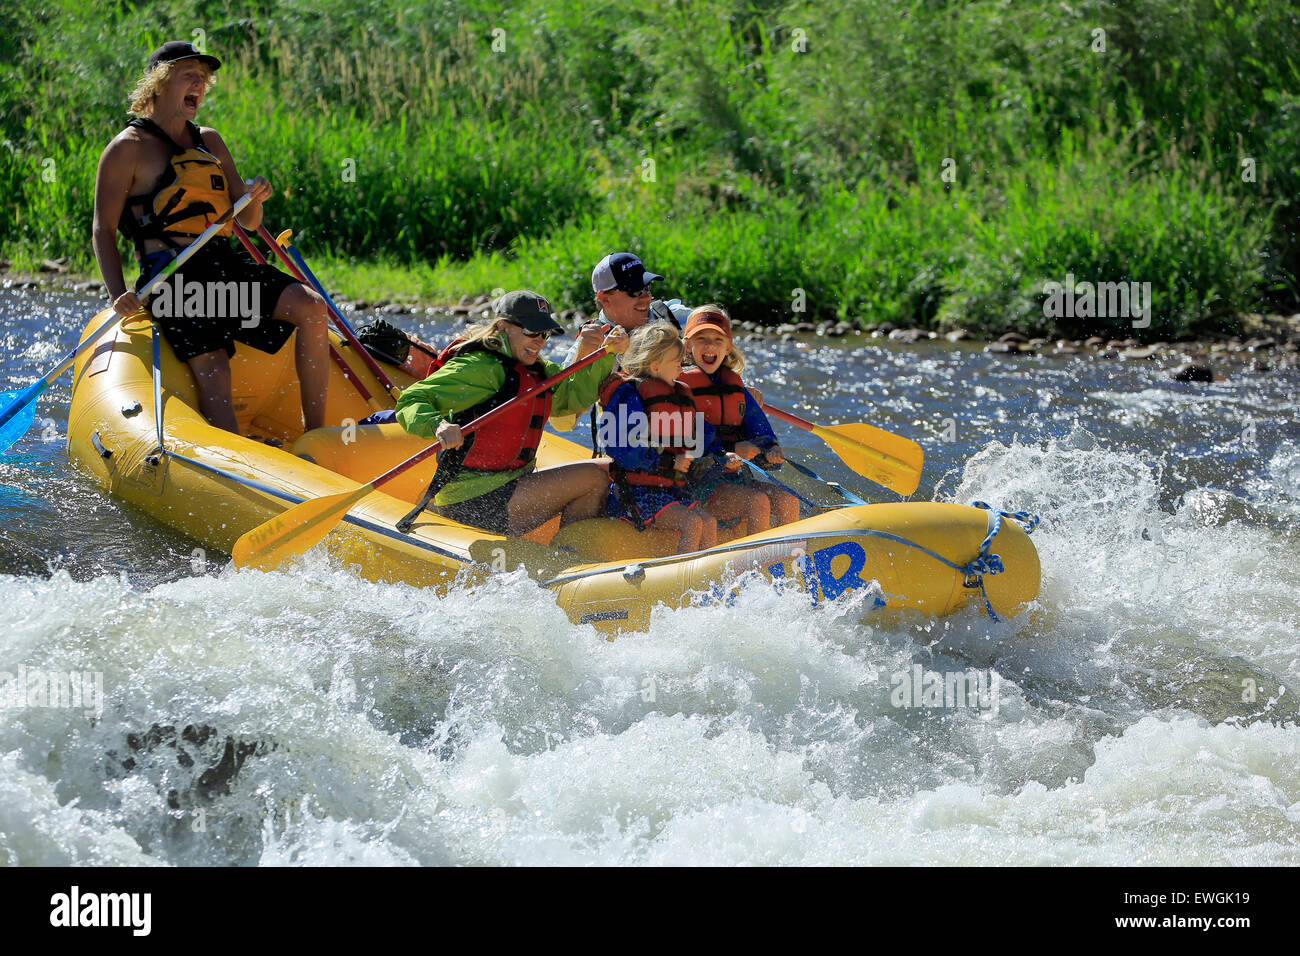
[[1145, 708]]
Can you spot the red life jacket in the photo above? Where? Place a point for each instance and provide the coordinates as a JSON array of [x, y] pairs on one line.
[[421, 361], [510, 440], [442, 357], [671, 413], [722, 402]]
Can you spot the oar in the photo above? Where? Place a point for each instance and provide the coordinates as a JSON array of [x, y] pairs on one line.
[[304, 525], [18, 407], [375, 404], [303, 275], [885, 458], [835, 486], [783, 486]]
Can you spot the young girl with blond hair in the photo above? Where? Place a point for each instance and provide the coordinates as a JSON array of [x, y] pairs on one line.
[[652, 431]]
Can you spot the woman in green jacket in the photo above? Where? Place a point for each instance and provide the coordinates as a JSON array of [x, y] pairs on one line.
[[487, 478]]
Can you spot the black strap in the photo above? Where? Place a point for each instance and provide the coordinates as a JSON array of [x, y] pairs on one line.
[[717, 388], [623, 492], [659, 310], [449, 462], [149, 126]]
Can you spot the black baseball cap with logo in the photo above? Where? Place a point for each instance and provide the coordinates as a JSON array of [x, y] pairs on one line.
[[622, 271], [528, 310], [181, 50]]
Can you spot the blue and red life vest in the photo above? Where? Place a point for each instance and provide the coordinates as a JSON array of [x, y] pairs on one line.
[[671, 413]]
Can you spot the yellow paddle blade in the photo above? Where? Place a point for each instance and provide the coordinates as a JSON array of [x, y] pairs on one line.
[[885, 458], [273, 542]]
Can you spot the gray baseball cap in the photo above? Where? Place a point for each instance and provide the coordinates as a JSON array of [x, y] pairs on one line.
[[528, 310]]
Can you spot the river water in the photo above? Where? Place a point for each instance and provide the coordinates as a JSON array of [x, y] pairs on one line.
[[1142, 711]]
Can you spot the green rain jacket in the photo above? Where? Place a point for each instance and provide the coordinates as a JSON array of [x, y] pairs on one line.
[[469, 379]]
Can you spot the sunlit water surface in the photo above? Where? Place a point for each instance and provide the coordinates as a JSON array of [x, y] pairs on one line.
[[1145, 707]]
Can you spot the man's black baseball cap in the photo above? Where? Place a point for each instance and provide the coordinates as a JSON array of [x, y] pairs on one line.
[[181, 50]]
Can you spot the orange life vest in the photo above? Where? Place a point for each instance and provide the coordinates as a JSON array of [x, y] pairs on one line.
[[721, 401], [188, 197], [671, 413]]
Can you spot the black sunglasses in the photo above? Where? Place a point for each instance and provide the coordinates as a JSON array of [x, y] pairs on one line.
[[533, 335]]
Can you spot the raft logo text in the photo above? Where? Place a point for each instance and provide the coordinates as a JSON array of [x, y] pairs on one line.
[[1100, 300], [178, 299], [56, 689], [947, 690], [73, 909]]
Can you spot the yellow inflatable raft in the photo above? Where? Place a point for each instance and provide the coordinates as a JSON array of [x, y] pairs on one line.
[[214, 486]]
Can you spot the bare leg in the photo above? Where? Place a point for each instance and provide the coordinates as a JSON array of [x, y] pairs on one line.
[[212, 374], [708, 529], [738, 501], [784, 505], [305, 309], [575, 492], [688, 523]]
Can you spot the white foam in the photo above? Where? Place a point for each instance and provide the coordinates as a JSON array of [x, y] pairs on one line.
[[387, 725]]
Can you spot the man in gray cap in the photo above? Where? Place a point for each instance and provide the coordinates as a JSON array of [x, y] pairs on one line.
[[162, 181]]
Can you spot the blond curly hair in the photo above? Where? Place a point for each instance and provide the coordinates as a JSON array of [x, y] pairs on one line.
[[490, 333], [651, 343], [141, 99]]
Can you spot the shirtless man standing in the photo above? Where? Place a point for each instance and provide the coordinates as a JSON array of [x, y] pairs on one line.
[[162, 181]]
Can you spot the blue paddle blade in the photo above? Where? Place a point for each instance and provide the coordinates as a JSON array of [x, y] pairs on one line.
[[17, 409]]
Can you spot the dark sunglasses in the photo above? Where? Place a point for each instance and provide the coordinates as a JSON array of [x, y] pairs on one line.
[[534, 335], [639, 294]]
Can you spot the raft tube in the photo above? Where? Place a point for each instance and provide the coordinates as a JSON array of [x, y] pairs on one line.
[[214, 486]]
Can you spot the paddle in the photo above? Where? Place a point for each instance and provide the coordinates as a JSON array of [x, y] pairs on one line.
[[835, 486], [783, 486], [18, 407], [304, 525], [375, 404], [883, 457], [278, 244]]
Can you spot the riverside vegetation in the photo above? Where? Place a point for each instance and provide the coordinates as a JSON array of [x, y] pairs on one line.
[[920, 163]]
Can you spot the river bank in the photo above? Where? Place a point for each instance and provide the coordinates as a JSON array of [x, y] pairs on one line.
[[1250, 343]]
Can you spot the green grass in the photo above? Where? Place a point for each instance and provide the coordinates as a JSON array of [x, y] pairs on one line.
[[794, 146]]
